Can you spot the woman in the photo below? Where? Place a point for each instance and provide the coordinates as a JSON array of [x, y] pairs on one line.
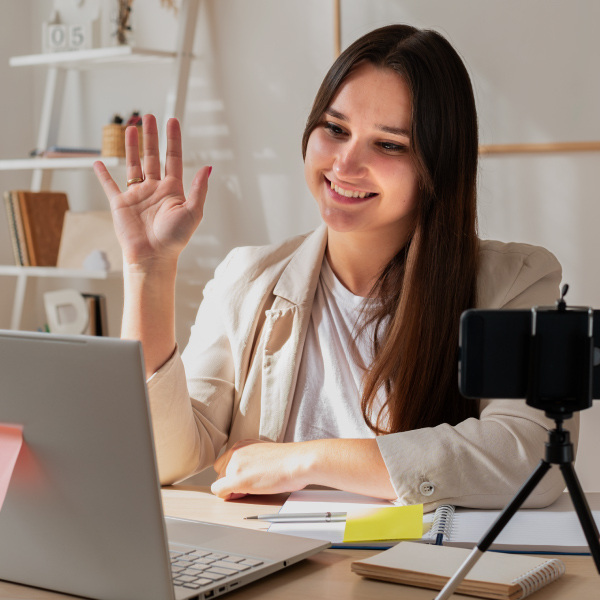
[[338, 350]]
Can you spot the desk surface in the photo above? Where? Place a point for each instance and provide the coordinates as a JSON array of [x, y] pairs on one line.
[[324, 576]]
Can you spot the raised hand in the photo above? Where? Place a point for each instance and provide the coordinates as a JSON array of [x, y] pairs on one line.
[[153, 219]]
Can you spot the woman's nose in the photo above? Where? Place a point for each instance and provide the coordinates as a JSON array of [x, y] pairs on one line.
[[350, 162]]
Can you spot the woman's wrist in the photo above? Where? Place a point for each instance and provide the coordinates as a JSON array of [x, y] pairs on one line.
[[354, 465], [150, 268], [313, 462], [150, 285]]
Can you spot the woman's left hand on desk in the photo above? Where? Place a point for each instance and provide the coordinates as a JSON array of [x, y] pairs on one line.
[[256, 467]]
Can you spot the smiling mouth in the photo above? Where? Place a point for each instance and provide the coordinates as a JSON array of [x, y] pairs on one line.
[[349, 193]]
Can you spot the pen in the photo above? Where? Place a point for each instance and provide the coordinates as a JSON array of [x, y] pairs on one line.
[[325, 517]]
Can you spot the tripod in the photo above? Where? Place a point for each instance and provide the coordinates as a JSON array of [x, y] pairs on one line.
[[559, 382], [559, 451]]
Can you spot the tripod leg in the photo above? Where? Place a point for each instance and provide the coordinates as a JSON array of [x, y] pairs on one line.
[[583, 511], [486, 541], [513, 506]]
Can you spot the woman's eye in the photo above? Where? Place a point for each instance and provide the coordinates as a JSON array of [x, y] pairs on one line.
[[334, 129], [392, 148]]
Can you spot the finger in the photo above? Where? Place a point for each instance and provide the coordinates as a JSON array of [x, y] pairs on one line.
[[216, 486], [235, 496], [198, 191], [111, 189], [132, 154], [174, 160], [151, 155], [223, 489]]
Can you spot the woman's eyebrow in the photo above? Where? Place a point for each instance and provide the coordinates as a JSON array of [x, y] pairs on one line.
[[385, 128], [394, 130], [335, 114]]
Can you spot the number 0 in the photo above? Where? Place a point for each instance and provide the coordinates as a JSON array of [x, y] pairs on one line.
[[57, 36]]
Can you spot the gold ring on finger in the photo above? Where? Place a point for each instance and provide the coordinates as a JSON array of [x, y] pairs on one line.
[[134, 180]]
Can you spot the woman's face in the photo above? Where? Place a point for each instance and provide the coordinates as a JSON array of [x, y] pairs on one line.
[[357, 163]]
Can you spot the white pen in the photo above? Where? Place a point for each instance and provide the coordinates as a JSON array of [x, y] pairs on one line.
[[325, 517]]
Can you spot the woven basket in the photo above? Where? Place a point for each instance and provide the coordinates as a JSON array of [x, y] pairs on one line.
[[113, 140]]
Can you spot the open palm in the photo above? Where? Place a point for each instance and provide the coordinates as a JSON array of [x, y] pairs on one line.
[[153, 219]]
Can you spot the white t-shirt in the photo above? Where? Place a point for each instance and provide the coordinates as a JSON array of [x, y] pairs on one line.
[[326, 401]]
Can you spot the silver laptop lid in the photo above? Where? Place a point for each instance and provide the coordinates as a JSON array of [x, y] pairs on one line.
[[83, 512]]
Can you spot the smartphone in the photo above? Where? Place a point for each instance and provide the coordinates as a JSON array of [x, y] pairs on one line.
[[500, 358]]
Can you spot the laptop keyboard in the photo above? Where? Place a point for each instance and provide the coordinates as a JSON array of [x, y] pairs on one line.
[[194, 568]]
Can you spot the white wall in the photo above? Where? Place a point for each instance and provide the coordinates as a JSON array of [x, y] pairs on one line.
[[16, 129], [534, 67]]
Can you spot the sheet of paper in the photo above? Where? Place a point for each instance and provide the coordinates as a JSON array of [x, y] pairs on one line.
[[11, 440], [386, 523], [318, 501]]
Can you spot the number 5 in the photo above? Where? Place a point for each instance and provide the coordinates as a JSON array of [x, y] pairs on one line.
[[76, 36]]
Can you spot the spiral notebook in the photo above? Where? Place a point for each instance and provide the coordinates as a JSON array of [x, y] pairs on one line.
[[496, 575], [555, 528]]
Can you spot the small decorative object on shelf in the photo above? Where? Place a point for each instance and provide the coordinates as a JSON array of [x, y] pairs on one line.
[[123, 18], [123, 21], [73, 25], [134, 119], [70, 312], [113, 135]]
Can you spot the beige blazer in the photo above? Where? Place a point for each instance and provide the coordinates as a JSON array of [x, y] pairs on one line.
[[236, 378]]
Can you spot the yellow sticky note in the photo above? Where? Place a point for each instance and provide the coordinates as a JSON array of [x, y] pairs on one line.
[[387, 523]]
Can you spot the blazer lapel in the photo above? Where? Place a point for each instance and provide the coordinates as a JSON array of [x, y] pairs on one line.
[[284, 333]]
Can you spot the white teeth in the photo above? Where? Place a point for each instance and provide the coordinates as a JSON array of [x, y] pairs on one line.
[[347, 193]]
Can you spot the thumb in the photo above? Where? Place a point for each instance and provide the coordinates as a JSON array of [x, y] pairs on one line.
[[198, 190]]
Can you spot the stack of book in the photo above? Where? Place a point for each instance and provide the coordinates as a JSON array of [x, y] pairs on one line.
[[35, 221]]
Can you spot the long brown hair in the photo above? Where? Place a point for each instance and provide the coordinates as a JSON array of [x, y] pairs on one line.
[[432, 279]]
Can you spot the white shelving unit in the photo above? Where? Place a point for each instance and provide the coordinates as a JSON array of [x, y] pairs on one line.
[[57, 65]]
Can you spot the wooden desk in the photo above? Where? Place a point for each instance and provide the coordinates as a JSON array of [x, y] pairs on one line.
[[324, 576]]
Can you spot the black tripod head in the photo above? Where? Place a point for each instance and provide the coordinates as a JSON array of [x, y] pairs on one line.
[[561, 352], [544, 355]]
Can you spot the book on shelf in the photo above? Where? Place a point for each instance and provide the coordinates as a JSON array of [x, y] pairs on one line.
[[98, 321], [495, 575], [35, 222], [17, 234]]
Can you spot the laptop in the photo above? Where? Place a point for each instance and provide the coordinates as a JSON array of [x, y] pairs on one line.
[[83, 512]]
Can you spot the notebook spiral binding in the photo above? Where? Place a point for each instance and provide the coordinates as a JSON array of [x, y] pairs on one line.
[[442, 521], [537, 578]]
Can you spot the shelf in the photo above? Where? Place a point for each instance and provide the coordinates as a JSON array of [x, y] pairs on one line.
[[57, 272], [76, 162], [552, 147], [85, 59]]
